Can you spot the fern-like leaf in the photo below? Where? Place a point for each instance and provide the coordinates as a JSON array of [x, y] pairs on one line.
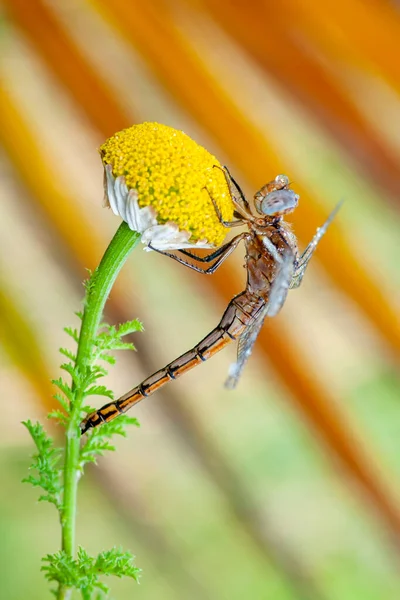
[[61, 400], [72, 332], [99, 390], [64, 388], [118, 345], [118, 563], [75, 375], [107, 358], [70, 355], [83, 573], [111, 339], [59, 416], [97, 441], [130, 327], [46, 462]]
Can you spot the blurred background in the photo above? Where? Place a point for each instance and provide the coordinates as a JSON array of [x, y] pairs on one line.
[[288, 487]]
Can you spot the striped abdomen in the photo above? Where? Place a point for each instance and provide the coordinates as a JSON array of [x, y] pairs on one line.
[[240, 312]]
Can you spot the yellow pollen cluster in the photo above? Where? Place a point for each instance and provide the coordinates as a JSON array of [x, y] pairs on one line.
[[171, 173]]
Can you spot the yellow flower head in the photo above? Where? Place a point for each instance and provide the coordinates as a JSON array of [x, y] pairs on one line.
[[165, 170]]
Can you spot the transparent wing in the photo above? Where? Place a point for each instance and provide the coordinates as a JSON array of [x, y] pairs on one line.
[[245, 347], [278, 293], [302, 264], [281, 284]]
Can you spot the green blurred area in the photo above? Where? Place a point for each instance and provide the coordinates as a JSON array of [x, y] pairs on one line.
[[215, 559]]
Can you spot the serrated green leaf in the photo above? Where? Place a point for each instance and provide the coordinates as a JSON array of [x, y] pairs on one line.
[[112, 331], [118, 563], [130, 327], [99, 371], [107, 358], [64, 403], [59, 416], [64, 387], [118, 345], [97, 439], [68, 354], [90, 378], [72, 332], [46, 462], [111, 339], [88, 284], [99, 390], [102, 341], [92, 375], [90, 452], [83, 573], [71, 370]]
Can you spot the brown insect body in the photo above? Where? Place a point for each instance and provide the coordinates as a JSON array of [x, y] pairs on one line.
[[273, 266]]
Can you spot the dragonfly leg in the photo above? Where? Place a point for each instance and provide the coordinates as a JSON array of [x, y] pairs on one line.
[[302, 262], [208, 257], [220, 254], [229, 178], [227, 224], [243, 210]]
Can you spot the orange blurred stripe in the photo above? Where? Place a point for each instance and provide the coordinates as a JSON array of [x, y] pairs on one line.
[[309, 395], [365, 34], [21, 343], [266, 34], [63, 57], [61, 209], [186, 77]]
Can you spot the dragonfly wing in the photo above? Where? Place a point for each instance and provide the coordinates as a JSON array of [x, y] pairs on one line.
[[302, 264], [280, 287], [245, 346], [278, 293]]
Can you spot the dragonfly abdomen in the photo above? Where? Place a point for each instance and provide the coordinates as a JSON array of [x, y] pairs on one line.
[[213, 343], [232, 324]]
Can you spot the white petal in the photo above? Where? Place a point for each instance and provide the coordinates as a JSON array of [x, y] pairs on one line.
[[124, 203], [158, 235], [139, 219], [110, 189], [169, 237], [133, 212], [148, 217], [121, 195]]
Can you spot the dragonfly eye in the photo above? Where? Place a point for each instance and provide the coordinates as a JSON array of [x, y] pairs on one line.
[[282, 181], [279, 202]]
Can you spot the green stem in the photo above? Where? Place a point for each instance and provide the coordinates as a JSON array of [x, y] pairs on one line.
[[100, 285]]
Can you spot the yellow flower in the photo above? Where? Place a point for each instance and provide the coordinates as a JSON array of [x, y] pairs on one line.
[[160, 181]]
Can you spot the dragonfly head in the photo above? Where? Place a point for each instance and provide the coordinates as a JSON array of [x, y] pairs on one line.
[[276, 198]]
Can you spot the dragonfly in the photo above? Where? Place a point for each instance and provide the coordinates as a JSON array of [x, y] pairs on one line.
[[274, 266]]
